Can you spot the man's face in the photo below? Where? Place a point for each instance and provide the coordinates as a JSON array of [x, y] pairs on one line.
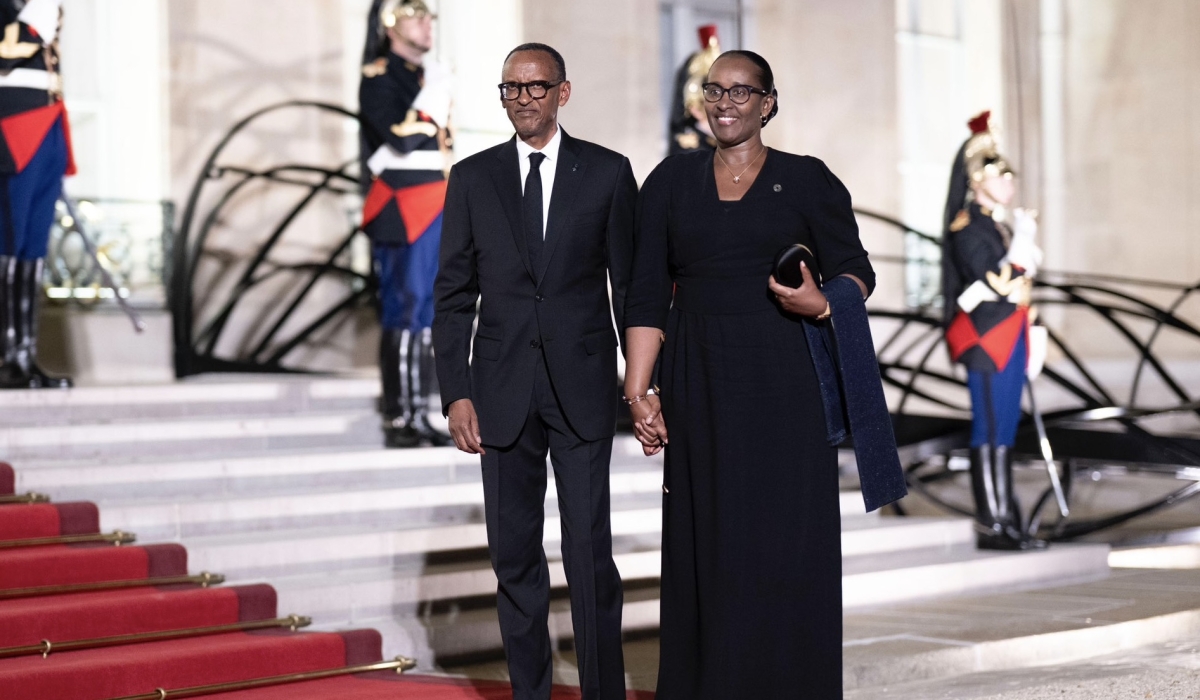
[[1000, 188], [416, 32], [534, 120]]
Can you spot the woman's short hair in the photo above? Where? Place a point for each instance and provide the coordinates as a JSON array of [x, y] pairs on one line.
[[765, 75]]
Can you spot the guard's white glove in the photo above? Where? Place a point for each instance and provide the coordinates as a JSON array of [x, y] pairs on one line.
[[42, 15], [1024, 250], [435, 97]]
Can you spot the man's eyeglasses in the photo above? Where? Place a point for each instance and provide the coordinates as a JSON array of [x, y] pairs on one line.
[[537, 89], [738, 94]]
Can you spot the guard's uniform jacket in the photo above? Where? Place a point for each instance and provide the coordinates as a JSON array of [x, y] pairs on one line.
[[990, 296], [30, 93], [405, 144]]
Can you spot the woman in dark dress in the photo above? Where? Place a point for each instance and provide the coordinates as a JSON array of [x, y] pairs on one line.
[[751, 570]]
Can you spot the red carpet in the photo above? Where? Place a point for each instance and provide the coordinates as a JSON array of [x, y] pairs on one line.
[[18, 522], [64, 618], [132, 669], [47, 566], [140, 668]]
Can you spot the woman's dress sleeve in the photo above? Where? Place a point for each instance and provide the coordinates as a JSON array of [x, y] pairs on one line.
[[650, 290], [835, 230]]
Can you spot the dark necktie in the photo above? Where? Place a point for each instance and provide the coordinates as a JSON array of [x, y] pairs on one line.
[[531, 209]]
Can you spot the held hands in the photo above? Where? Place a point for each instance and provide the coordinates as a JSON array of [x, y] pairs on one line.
[[464, 427], [648, 425], [805, 300]]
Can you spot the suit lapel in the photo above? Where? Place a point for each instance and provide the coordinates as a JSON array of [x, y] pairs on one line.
[[506, 174], [568, 173]]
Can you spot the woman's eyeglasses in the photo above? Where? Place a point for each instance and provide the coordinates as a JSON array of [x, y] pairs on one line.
[[537, 89], [738, 94]]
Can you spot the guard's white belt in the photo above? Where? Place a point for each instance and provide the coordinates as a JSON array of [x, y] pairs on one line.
[[28, 78], [388, 158]]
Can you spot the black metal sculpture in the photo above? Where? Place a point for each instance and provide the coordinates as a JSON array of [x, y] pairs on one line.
[[195, 344]]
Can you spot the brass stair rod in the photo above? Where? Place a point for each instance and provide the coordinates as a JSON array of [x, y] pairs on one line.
[[46, 647], [116, 537], [400, 665], [13, 498], [204, 578]]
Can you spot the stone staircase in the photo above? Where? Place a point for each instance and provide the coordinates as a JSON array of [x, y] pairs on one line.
[[283, 479]]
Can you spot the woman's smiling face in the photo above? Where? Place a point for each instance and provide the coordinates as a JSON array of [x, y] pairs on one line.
[[734, 123]]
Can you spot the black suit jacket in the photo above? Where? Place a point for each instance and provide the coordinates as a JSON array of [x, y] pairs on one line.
[[561, 309]]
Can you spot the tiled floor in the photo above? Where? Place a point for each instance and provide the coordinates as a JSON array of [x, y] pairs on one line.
[[1159, 671]]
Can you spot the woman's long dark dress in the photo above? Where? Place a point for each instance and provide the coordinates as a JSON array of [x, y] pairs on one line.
[[751, 569]]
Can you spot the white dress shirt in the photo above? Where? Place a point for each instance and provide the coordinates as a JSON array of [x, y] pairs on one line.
[[546, 169]]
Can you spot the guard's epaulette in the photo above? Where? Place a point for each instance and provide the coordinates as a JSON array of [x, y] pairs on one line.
[[375, 68], [961, 221]]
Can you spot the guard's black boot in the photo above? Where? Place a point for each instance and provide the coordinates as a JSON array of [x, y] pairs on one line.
[[31, 298], [989, 515], [1006, 497], [421, 378], [11, 376], [398, 430]]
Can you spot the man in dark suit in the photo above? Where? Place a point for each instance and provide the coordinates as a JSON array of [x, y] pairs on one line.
[[534, 230]]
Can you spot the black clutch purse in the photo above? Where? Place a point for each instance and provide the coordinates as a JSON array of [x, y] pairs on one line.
[[787, 266]]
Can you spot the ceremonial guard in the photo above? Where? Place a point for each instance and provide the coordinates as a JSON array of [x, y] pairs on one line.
[[404, 99], [35, 153], [989, 259], [689, 125]]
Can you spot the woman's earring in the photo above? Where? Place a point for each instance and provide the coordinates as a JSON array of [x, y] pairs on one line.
[[765, 120]]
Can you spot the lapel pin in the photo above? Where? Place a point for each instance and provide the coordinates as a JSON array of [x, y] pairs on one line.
[[778, 188], [575, 167]]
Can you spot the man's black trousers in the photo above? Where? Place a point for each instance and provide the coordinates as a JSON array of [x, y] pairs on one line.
[[514, 481]]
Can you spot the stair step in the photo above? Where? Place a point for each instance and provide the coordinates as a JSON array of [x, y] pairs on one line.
[[184, 476], [278, 552], [921, 574], [438, 501], [186, 435], [434, 638], [352, 593], [167, 474], [181, 663], [152, 473], [299, 551], [474, 630], [199, 397], [864, 536]]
